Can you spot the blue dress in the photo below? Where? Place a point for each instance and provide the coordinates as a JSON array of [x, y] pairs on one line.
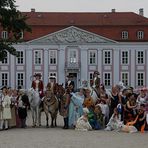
[[75, 108]]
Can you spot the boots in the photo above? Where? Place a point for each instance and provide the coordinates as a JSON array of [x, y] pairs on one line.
[[65, 123], [1, 124]]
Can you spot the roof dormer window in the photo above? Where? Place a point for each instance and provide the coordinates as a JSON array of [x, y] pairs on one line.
[[4, 35], [140, 35], [124, 35]]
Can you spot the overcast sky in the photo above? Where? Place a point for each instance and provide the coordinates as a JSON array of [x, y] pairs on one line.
[[83, 5]]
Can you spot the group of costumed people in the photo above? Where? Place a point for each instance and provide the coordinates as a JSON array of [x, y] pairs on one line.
[[121, 108]]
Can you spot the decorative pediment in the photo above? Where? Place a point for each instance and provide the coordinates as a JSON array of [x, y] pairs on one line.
[[71, 35]]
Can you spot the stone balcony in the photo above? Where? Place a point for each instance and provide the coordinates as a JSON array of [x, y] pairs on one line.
[[72, 65]]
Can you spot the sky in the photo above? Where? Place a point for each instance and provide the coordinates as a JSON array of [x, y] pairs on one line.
[[83, 5]]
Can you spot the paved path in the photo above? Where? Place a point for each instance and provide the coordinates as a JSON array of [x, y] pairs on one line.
[[59, 138]]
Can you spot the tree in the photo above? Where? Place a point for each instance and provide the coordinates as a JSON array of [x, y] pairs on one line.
[[14, 22]]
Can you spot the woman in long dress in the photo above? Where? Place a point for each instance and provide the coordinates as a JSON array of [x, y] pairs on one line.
[[114, 122], [76, 107], [13, 95], [6, 110]]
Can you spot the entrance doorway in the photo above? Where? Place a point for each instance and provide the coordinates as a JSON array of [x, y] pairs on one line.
[[74, 79]]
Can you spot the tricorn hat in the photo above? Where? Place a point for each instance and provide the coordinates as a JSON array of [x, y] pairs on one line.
[[52, 77], [70, 76], [4, 87], [37, 74], [96, 72]]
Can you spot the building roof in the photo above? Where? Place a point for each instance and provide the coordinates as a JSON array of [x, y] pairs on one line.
[[85, 18]]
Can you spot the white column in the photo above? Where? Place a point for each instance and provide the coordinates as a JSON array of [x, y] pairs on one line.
[[116, 65], [84, 65], [146, 67], [12, 73], [61, 65], [29, 60], [100, 61], [132, 67], [46, 67]]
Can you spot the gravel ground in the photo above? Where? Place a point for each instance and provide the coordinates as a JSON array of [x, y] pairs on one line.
[[58, 138]]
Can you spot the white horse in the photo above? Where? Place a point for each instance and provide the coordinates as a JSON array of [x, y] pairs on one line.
[[104, 107], [34, 100], [94, 95]]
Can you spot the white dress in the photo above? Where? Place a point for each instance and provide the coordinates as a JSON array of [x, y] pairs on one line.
[[6, 113], [83, 125], [114, 123]]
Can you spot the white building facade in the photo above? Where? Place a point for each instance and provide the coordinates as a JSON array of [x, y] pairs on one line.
[[76, 51]]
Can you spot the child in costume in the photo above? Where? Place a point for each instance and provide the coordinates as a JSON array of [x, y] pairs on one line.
[[82, 123]]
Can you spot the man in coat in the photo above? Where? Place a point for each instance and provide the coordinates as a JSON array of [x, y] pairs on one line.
[[52, 84], [70, 83], [37, 84], [96, 82]]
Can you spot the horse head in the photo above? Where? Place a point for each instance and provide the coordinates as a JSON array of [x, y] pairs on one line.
[[33, 96], [60, 90]]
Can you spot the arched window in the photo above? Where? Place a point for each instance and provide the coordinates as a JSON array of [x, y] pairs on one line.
[[124, 35]]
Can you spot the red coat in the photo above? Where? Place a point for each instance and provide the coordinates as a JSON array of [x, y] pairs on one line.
[[40, 87]]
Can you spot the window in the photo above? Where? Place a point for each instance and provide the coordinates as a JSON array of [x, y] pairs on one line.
[[20, 58], [107, 57], [4, 78], [20, 79], [125, 78], [125, 57], [107, 79], [140, 79], [4, 35], [5, 60], [140, 35], [53, 56], [73, 58], [21, 35], [91, 76], [124, 35], [92, 57], [38, 57], [140, 57]]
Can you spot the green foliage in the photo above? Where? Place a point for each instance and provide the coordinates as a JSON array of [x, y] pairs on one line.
[[12, 21]]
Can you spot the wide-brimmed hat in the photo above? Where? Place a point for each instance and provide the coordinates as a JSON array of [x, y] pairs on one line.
[[21, 91], [37, 75], [70, 76], [4, 87], [97, 72], [52, 77]]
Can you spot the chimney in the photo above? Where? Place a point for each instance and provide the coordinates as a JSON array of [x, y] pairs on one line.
[[32, 9], [113, 10], [141, 12]]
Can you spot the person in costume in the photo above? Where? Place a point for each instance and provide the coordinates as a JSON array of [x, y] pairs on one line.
[[114, 122], [64, 107], [12, 94], [52, 84], [70, 83], [96, 82], [37, 84], [82, 123], [99, 116], [22, 104], [5, 114], [140, 120], [76, 107]]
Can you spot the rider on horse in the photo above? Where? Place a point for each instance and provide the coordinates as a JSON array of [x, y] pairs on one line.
[[37, 84], [96, 82]]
